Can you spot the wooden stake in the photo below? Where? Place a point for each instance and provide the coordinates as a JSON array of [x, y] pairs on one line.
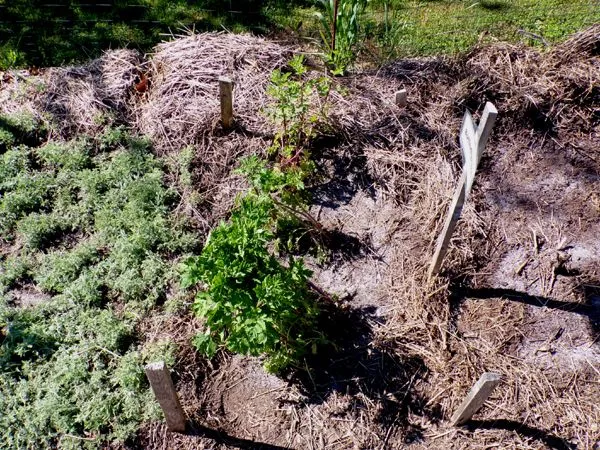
[[162, 385], [468, 147], [472, 143], [401, 98], [226, 97], [484, 129], [456, 207], [477, 396]]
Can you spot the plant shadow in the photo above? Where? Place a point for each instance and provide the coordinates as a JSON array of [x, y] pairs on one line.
[[342, 171], [373, 375], [220, 437], [460, 290], [494, 5], [548, 439]]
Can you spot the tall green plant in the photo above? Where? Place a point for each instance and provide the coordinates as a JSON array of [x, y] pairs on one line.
[[293, 93], [252, 303], [340, 31], [390, 33]]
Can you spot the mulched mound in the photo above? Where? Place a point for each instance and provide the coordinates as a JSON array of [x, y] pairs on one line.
[[181, 105], [514, 296]]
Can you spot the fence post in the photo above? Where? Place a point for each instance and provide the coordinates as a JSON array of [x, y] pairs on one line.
[[162, 385], [226, 97], [477, 396]]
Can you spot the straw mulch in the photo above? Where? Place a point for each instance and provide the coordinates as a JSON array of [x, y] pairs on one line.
[[557, 90], [84, 100], [183, 107], [401, 380], [548, 110]]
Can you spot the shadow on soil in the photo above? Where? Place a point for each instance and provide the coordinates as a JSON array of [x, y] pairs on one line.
[[590, 309], [222, 438], [376, 378], [345, 173], [548, 439]]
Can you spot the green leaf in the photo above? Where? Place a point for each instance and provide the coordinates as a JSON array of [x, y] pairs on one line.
[[205, 344]]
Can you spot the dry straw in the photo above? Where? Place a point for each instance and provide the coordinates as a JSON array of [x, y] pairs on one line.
[[83, 100], [182, 107], [413, 156]]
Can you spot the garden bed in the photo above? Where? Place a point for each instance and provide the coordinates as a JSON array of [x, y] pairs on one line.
[[519, 290]]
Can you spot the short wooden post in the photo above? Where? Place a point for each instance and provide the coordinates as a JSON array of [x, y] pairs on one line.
[[488, 119], [226, 97], [162, 385], [401, 98], [477, 396], [468, 147]]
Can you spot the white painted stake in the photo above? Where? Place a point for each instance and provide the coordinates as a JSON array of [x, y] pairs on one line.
[[477, 396], [401, 98], [472, 142], [162, 385], [488, 119], [226, 97], [468, 147]]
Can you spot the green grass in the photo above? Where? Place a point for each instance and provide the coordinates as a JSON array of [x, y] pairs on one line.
[[90, 223], [31, 32], [400, 28], [445, 26]]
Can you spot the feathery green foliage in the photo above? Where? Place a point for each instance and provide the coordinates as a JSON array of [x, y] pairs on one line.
[[93, 221]]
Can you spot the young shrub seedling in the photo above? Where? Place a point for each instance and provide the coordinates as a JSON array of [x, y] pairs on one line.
[[252, 303]]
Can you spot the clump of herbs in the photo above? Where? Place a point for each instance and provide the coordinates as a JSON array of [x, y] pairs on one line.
[[92, 221]]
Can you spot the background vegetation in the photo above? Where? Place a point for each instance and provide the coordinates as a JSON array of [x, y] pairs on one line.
[[52, 33], [44, 33]]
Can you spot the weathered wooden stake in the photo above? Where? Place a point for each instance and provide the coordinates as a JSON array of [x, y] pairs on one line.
[[477, 396], [472, 143], [468, 147], [401, 98], [456, 207], [226, 97], [488, 119], [162, 385]]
